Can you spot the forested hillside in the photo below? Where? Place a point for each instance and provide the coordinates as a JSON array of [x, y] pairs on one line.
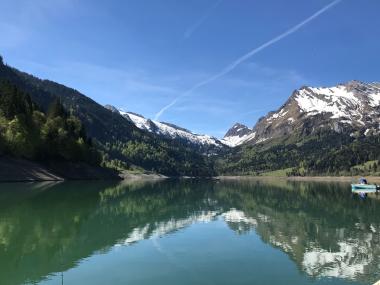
[[323, 153], [317, 131], [122, 145], [27, 132], [43, 120]]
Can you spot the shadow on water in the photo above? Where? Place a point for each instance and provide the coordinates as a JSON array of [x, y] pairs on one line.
[[47, 228]]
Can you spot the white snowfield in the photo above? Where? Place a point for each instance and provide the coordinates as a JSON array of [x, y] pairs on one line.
[[170, 131], [233, 141], [339, 101], [240, 135]]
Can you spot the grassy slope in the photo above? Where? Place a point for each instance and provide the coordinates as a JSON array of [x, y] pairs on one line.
[[277, 173]]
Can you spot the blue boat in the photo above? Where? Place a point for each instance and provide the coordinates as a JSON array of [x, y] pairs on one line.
[[367, 188], [364, 187]]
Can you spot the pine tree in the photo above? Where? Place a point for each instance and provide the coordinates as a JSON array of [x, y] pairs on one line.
[[56, 109]]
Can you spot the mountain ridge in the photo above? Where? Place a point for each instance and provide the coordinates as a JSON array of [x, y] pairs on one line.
[[348, 107], [318, 130], [122, 144], [205, 143]]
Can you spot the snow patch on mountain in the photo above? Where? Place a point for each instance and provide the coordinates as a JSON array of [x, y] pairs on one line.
[[169, 130], [352, 106], [233, 141], [375, 99], [336, 100], [238, 134], [282, 113], [138, 120]]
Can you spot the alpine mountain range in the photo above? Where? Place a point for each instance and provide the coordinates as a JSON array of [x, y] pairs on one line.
[[349, 107], [342, 120]]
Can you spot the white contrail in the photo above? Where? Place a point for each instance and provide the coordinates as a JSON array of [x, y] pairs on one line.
[[199, 23], [245, 57]]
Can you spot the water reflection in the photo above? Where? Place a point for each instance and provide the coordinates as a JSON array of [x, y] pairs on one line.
[[322, 228], [50, 228]]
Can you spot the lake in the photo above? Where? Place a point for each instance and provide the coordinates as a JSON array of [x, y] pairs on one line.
[[188, 232]]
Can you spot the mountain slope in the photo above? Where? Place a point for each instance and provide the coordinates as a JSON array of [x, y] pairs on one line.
[[353, 106], [203, 143], [123, 144], [317, 131]]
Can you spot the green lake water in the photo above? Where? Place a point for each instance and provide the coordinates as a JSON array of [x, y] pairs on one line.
[[187, 232]]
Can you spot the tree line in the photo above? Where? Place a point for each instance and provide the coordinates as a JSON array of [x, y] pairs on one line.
[[28, 132], [323, 153]]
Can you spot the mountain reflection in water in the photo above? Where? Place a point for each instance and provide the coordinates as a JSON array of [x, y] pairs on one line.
[[50, 228]]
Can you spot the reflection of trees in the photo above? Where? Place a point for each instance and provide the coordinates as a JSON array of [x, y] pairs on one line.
[[50, 228], [40, 226], [43, 231], [322, 228]]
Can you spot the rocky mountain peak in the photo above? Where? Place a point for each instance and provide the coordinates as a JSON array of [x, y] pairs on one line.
[[238, 134], [351, 106], [237, 130]]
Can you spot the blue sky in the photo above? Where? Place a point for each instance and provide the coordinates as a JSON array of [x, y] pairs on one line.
[[141, 55]]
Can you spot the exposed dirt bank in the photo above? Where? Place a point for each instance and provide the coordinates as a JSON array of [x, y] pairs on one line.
[[12, 169]]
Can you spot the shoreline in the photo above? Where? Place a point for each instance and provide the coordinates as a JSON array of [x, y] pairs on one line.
[[152, 177], [371, 179], [125, 175], [22, 170]]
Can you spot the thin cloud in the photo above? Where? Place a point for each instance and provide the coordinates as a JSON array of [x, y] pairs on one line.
[[189, 32], [247, 56]]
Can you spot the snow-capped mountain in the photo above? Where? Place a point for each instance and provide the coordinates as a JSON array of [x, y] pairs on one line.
[[204, 142], [349, 107], [238, 134]]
